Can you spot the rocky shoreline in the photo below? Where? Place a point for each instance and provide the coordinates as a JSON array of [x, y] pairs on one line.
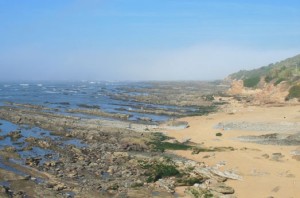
[[68, 156]]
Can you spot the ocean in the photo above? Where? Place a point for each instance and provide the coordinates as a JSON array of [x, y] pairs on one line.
[[72, 95], [33, 136]]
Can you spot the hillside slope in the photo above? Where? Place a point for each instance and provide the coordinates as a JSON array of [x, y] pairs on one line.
[[281, 79]]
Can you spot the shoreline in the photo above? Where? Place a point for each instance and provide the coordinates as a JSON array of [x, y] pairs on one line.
[[79, 156], [211, 145], [267, 170]]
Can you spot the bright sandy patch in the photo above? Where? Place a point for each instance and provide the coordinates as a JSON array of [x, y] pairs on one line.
[[262, 176]]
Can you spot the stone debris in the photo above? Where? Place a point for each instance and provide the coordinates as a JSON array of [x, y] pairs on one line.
[[109, 162]]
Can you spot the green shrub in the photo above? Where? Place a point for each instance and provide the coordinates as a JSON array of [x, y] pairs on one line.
[[160, 170], [219, 134], [279, 81], [159, 145], [195, 193], [268, 78], [158, 136], [251, 82], [162, 146], [294, 92]]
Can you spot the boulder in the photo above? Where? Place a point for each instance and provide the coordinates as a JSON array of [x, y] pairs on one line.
[[145, 119], [59, 187], [222, 188], [15, 135], [167, 184], [10, 149], [33, 161]]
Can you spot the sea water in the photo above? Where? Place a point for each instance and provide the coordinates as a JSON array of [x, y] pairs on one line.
[[70, 95]]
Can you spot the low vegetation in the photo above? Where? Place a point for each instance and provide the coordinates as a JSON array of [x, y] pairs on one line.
[[182, 181], [294, 92], [158, 143], [279, 81], [198, 193], [219, 134], [162, 146], [251, 81], [197, 150], [203, 110], [287, 70], [156, 170]]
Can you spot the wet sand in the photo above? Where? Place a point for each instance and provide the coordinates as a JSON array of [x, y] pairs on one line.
[[266, 170]]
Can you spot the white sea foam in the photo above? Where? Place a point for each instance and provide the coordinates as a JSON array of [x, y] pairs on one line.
[[72, 91], [51, 92]]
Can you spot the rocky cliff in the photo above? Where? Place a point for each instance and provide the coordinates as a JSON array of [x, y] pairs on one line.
[[275, 83]]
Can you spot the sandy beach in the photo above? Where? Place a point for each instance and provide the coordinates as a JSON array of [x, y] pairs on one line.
[[266, 170]]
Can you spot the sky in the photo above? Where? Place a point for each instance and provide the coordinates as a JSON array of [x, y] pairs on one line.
[[137, 40]]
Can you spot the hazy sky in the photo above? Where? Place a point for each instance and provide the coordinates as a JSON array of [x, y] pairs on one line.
[[143, 39]]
